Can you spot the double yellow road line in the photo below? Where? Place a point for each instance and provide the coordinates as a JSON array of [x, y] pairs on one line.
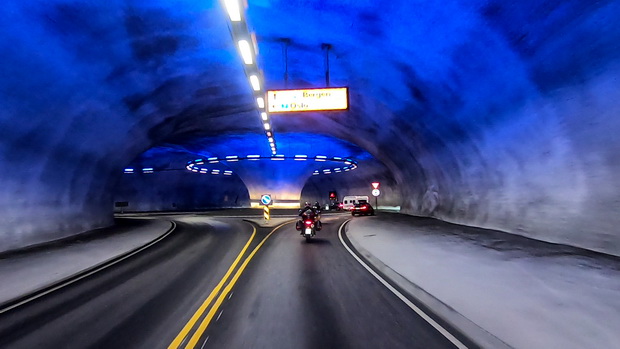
[[178, 341]]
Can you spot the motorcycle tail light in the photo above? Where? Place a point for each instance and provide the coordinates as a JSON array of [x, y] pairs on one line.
[[308, 222]]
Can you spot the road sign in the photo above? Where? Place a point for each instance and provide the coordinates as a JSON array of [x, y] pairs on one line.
[[283, 101], [376, 192], [265, 199], [375, 185]]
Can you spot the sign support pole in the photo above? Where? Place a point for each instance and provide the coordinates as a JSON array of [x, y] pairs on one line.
[[376, 192], [266, 213], [265, 200]]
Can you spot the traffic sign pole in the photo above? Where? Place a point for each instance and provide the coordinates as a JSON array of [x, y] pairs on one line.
[[266, 200], [376, 192], [266, 213]]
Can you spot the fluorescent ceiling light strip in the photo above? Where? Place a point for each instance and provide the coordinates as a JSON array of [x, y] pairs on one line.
[[246, 52], [233, 9], [255, 82]]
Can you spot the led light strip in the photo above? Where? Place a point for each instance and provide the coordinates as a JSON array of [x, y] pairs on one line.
[[196, 166], [130, 170], [248, 49]]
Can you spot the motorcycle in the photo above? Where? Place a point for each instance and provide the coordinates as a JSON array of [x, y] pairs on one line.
[[309, 229], [308, 225]]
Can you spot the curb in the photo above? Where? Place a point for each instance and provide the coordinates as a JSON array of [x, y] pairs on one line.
[[42, 291], [448, 315]]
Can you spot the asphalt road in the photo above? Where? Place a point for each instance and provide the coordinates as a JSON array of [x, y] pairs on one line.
[[290, 294], [315, 295], [138, 303]]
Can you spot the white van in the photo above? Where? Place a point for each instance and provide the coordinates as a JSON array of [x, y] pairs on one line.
[[349, 201]]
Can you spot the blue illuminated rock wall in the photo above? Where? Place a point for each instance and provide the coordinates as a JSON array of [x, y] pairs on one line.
[[86, 86], [494, 113], [180, 191], [499, 114], [525, 141]]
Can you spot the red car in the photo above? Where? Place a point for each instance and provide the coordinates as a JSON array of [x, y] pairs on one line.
[[363, 208]]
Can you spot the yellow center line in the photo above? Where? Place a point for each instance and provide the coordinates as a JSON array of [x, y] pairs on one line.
[[176, 343], [207, 320]]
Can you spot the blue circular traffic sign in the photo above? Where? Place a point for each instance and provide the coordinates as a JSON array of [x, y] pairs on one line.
[[265, 199]]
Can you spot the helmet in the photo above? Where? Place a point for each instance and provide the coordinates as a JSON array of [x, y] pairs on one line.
[[307, 204]]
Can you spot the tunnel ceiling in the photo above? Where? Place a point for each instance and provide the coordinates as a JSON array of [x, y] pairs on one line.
[[494, 113], [162, 71]]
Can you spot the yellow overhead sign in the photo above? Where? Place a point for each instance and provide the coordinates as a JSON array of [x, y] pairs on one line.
[[317, 99]]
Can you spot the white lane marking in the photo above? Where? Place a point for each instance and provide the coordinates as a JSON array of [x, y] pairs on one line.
[[205, 343], [230, 295], [219, 316], [96, 269], [405, 300]]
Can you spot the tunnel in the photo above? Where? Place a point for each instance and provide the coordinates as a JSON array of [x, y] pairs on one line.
[[494, 114], [490, 128]]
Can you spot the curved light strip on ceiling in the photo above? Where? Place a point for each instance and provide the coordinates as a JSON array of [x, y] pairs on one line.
[[345, 164]]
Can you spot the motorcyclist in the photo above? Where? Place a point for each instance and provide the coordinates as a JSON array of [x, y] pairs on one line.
[[309, 212], [317, 207]]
